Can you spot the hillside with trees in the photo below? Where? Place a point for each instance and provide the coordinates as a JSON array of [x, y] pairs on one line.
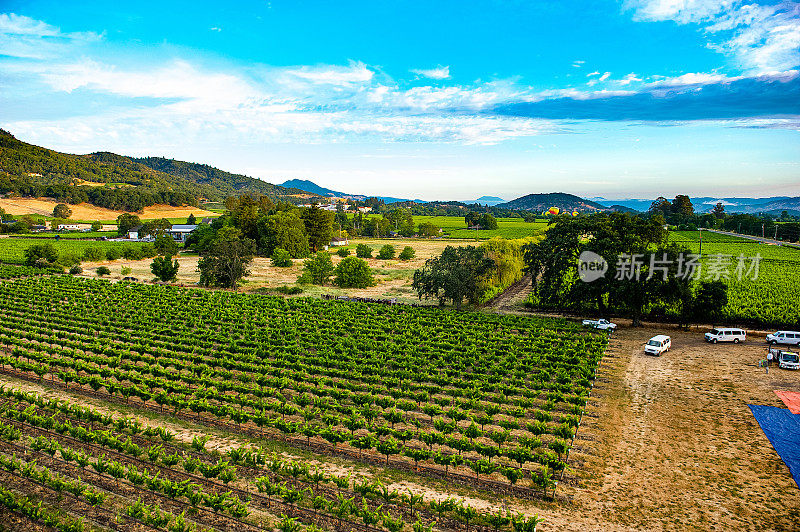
[[543, 202], [117, 182]]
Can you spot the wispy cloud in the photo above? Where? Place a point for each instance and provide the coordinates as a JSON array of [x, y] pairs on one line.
[[440, 72], [578, 64], [25, 37], [770, 100], [595, 81], [215, 28], [759, 38]]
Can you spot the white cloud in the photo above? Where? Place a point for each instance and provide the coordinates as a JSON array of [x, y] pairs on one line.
[[354, 73], [25, 37], [693, 78], [595, 73], [440, 72], [216, 28], [681, 11], [630, 78], [595, 81], [178, 80], [578, 64], [759, 38]]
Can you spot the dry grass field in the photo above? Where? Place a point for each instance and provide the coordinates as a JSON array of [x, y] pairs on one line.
[[87, 212], [393, 276]]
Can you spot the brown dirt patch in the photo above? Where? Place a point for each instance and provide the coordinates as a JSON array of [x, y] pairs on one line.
[[674, 445]]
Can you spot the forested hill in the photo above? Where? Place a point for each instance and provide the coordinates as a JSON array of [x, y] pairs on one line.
[[226, 183], [118, 182], [543, 202]]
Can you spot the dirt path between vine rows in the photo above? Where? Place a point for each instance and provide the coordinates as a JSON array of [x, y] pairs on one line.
[[511, 298]]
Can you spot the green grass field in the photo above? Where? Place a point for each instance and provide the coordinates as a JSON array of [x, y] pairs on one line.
[[772, 297], [13, 249], [456, 227], [73, 236]]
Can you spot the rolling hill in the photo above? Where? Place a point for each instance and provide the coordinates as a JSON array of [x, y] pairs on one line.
[[542, 202], [224, 183], [118, 182], [769, 205], [313, 188]]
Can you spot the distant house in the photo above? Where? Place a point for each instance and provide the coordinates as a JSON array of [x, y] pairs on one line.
[[207, 221], [180, 232], [74, 227], [364, 209], [133, 233], [336, 241]]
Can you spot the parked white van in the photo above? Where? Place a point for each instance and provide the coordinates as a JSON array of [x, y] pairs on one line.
[[784, 337], [787, 360], [726, 335], [657, 345]]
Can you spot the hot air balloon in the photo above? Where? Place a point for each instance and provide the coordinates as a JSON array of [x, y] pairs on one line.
[[553, 211], [574, 213]]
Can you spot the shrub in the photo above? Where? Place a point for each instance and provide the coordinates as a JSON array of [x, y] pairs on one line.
[[353, 272], [40, 251], [125, 271], [386, 252], [62, 210], [343, 252], [281, 258], [103, 270], [68, 259], [113, 254], [318, 269], [93, 254], [164, 268], [363, 251], [408, 253], [75, 270], [148, 251], [131, 253], [165, 245], [289, 290]]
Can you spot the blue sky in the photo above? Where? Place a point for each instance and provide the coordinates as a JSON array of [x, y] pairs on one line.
[[431, 100]]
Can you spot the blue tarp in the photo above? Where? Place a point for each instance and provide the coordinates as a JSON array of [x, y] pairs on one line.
[[782, 428]]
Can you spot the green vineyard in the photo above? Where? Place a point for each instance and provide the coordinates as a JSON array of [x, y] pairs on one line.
[[772, 297], [481, 399], [13, 249], [92, 470]]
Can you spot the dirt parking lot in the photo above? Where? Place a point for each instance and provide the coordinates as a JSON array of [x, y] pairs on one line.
[[674, 446]]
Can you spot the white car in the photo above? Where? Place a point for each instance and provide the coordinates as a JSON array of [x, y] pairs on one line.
[[600, 324], [784, 337], [787, 360], [726, 335], [657, 345]]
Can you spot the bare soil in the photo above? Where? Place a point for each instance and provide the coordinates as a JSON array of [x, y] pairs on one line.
[[674, 445]]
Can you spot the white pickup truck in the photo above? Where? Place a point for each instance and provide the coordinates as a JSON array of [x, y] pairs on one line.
[[603, 325]]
